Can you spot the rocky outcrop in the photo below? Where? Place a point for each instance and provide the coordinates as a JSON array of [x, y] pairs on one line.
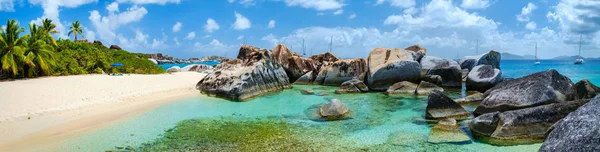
[[579, 131], [341, 71], [294, 65], [425, 88], [174, 69], [334, 110], [306, 79], [523, 126], [115, 47], [322, 60], [420, 51], [196, 68], [307, 92], [586, 90], [435, 79], [440, 106], [253, 73], [402, 88], [388, 66], [447, 69], [477, 97], [98, 42], [483, 77], [447, 131], [533, 90], [352, 86], [491, 58]]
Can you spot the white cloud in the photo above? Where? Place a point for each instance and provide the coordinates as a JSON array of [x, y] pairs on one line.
[[338, 12], [475, 4], [526, 12], [398, 3], [216, 42], [578, 16], [191, 35], [352, 16], [90, 35], [107, 25], [211, 25], [7, 5], [320, 14], [52, 11], [241, 22], [230, 1], [176, 41], [160, 2], [113, 7], [240, 37], [177, 27], [214, 47], [319, 5], [531, 26], [271, 24]]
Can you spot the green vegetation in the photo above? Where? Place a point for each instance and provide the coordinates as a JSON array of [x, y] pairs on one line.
[[76, 28], [38, 54]]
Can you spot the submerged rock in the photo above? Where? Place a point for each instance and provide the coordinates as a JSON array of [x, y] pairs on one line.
[[252, 74], [402, 88], [425, 88], [579, 131], [491, 58], [334, 110], [403, 138], [533, 90], [307, 92], [523, 126], [447, 131], [586, 90], [440, 106], [447, 69], [388, 66], [352, 86], [341, 71], [483, 77], [174, 69], [477, 97]]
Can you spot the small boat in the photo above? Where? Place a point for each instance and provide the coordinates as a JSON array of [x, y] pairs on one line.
[[579, 59], [537, 62]]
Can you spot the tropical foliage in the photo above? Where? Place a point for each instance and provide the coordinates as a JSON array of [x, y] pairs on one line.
[[76, 28], [38, 54]]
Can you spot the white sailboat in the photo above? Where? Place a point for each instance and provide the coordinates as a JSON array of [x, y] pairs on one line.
[[579, 59], [537, 62]]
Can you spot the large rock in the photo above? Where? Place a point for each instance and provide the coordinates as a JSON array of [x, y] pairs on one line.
[[174, 69], [491, 58], [294, 65], [253, 73], [115, 47], [425, 88], [420, 51], [196, 68], [477, 97], [483, 77], [388, 66], [306, 79], [402, 88], [533, 90], [447, 131], [586, 90], [322, 60], [579, 131], [440, 106], [98, 42], [341, 71], [523, 126], [352, 86], [334, 110], [448, 69]]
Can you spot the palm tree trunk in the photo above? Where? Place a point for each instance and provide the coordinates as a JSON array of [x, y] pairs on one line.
[[75, 36]]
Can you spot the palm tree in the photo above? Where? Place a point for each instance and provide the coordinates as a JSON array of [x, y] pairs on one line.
[[12, 48], [76, 27], [49, 28], [39, 52]]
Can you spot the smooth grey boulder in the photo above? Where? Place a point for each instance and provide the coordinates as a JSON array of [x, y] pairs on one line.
[[579, 131], [440, 106], [196, 68], [435, 79], [447, 131], [586, 90], [174, 69], [523, 126], [352, 86], [306, 79], [483, 77], [388, 66], [334, 110], [533, 90], [447, 69], [341, 71], [477, 97], [252, 74], [425, 88], [491, 58], [402, 88]]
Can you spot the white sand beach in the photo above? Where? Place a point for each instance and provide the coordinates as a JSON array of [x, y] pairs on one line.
[[40, 109]]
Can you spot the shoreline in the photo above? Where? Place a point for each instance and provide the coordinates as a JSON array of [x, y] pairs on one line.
[[46, 128]]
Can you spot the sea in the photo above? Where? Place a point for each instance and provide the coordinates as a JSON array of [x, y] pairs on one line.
[[181, 65], [378, 122]]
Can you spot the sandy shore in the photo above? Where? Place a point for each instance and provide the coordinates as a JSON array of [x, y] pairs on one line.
[[40, 110]]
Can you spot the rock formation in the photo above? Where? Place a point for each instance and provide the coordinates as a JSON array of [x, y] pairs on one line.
[[388, 66], [196, 68], [447, 69], [491, 58], [320, 61], [341, 71], [420, 51], [115, 47], [253, 73], [294, 65], [439, 106], [586, 90], [307, 92], [425, 88], [174, 69], [334, 110], [533, 90], [483, 77], [447, 131], [352, 86], [477, 97], [402, 88]]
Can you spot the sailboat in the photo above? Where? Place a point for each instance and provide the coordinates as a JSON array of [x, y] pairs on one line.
[[537, 62], [579, 59]]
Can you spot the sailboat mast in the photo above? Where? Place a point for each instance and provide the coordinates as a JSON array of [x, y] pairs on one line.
[[331, 44], [303, 50], [536, 51], [580, 46], [477, 47]]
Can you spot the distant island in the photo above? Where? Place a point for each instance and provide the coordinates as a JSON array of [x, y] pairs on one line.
[[509, 56], [213, 58], [572, 58]]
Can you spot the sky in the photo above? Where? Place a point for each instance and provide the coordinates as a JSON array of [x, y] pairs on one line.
[[447, 28]]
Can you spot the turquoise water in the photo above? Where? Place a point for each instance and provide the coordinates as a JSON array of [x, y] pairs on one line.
[[167, 66], [379, 122]]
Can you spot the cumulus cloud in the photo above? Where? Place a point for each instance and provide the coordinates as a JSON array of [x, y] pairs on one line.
[[338, 12], [241, 22], [578, 16], [160, 2], [526, 12], [211, 25], [531, 26], [475, 4], [271, 24], [7, 5], [191, 35], [240, 37], [52, 11], [352, 16], [107, 25], [398, 3], [113, 7], [177, 27], [319, 5]]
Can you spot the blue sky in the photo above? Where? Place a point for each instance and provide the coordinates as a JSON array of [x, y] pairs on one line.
[[195, 28]]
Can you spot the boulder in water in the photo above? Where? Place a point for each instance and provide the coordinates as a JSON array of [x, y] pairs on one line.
[[425, 88], [533, 90], [196, 68], [294, 65], [491, 58], [174, 69], [483, 77], [402, 88], [447, 131], [352, 86], [435, 79], [447, 69], [419, 50], [440, 106], [341, 71], [586, 90], [477, 97], [388, 66], [334, 110], [307, 92]]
